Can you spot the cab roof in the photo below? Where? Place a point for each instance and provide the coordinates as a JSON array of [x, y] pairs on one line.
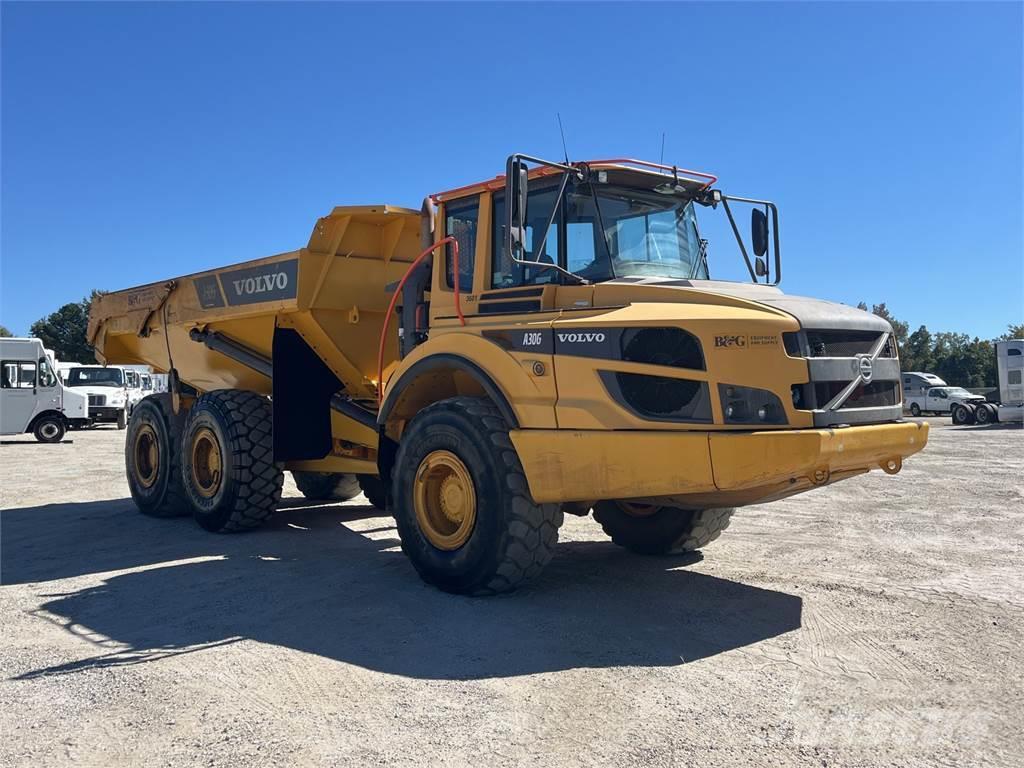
[[624, 171]]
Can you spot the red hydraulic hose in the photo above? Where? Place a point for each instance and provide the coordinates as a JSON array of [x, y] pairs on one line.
[[398, 292]]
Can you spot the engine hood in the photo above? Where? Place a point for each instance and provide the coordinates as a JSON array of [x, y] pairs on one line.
[[810, 313], [85, 389]]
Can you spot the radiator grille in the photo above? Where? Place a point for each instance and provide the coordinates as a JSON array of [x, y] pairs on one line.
[[97, 400], [873, 395]]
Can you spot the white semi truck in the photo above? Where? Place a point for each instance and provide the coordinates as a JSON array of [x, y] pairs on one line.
[[1010, 406], [32, 397]]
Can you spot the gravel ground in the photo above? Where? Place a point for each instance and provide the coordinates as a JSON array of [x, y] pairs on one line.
[[875, 622]]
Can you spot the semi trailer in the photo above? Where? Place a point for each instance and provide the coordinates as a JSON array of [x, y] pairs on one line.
[[542, 343]]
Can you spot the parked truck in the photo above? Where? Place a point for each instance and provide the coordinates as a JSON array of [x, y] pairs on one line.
[[542, 343], [107, 388], [1010, 406], [32, 397]]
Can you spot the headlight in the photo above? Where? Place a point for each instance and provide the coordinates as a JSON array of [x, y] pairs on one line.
[[745, 405], [117, 398]]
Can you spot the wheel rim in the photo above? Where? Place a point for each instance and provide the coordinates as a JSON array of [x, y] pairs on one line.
[[638, 510], [147, 455], [207, 464], [445, 500], [49, 430]]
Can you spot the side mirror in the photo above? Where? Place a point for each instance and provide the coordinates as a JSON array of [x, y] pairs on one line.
[[759, 232], [516, 191], [760, 268]]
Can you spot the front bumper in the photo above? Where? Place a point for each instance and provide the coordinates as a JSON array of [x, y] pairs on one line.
[[706, 469], [105, 412]]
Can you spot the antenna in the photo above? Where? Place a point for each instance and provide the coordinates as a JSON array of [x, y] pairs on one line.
[[662, 160], [561, 131]]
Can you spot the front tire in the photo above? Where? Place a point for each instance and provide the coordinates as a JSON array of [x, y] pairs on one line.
[[656, 530], [462, 505], [122, 418], [228, 469], [49, 429], [332, 486]]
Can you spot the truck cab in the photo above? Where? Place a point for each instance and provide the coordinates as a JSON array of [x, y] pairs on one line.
[[32, 396], [107, 390]]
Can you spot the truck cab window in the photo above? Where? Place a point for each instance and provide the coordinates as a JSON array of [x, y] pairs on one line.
[[505, 273], [461, 218], [18, 375]]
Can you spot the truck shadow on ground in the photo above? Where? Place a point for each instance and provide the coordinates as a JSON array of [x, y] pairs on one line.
[[308, 581]]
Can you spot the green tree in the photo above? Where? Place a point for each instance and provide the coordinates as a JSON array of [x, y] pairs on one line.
[[917, 353], [1013, 332], [63, 331], [4, 333]]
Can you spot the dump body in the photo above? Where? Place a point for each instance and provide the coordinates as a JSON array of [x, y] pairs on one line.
[[333, 293]]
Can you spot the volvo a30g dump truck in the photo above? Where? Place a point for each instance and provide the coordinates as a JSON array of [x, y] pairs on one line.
[[546, 342]]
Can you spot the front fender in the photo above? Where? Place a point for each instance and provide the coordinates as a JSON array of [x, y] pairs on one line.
[[513, 379]]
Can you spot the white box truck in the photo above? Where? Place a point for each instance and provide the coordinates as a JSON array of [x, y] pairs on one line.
[[32, 397]]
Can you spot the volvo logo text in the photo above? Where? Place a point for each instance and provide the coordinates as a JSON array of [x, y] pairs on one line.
[[580, 338], [261, 284]]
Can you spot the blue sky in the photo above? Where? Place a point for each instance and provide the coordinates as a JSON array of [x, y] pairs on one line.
[[145, 141]]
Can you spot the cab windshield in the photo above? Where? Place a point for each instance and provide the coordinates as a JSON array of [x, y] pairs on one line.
[[620, 232], [96, 377]]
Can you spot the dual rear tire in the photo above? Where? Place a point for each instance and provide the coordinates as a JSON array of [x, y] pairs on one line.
[[215, 463]]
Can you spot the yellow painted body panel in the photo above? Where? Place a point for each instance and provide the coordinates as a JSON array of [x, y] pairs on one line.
[[702, 469]]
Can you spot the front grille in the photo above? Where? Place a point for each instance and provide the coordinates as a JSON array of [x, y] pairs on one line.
[[846, 344], [97, 400], [873, 395]]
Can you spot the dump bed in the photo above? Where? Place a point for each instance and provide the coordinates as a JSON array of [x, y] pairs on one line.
[[333, 292]]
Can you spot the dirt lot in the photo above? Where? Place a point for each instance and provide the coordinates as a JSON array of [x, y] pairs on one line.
[[875, 622]]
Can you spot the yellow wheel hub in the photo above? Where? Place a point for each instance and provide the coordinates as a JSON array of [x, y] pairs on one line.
[[147, 456], [207, 464], [445, 500]]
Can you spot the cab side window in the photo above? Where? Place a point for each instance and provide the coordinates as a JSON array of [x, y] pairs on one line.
[[461, 217], [505, 273], [18, 374]]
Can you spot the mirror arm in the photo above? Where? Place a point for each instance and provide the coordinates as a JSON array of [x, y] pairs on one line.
[[739, 238]]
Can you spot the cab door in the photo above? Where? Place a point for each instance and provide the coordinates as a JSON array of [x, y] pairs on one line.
[[17, 395]]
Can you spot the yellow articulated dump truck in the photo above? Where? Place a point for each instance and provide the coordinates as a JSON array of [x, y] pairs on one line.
[[545, 342]]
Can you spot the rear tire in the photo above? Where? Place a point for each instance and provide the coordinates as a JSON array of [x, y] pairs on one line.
[[49, 429], [374, 490], [915, 409], [653, 530], [462, 505], [227, 462], [333, 486], [152, 458], [982, 414], [959, 414]]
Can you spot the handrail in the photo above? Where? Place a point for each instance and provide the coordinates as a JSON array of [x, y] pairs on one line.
[[394, 299]]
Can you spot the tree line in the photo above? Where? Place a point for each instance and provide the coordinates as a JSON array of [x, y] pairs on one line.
[[956, 357]]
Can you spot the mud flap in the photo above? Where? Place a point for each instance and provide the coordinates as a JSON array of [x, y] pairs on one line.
[[302, 389]]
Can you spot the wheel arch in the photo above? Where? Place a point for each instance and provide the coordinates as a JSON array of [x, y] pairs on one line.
[[43, 414], [428, 380]]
